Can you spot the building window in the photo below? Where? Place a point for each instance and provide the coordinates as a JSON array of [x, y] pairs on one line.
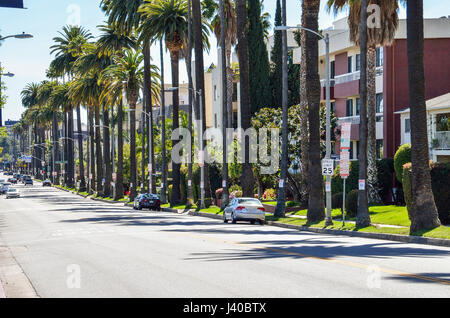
[[349, 107], [380, 58], [215, 120], [358, 106], [358, 62], [333, 107], [380, 103], [350, 64], [332, 69], [215, 92], [407, 125], [235, 91]]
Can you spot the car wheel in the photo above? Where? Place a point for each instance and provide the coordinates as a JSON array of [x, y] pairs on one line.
[[261, 222], [233, 220], [252, 222], [225, 218], [139, 208]]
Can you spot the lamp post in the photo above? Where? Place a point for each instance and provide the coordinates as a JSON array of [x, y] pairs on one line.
[[326, 39]]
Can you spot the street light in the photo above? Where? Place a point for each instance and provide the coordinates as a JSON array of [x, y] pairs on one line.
[[326, 38], [21, 36]]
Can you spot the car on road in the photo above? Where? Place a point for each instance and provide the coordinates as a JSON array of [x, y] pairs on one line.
[[147, 201], [46, 183], [12, 180], [28, 181], [244, 209], [12, 193], [5, 187]]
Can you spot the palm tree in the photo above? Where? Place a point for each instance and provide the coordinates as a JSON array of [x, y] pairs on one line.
[[384, 35], [168, 19], [423, 212], [310, 14], [127, 69], [247, 179]]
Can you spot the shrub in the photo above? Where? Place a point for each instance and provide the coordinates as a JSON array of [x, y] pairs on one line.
[[402, 156], [385, 168], [337, 201], [269, 194], [291, 204], [440, 182], [351, 203], [337, 183]]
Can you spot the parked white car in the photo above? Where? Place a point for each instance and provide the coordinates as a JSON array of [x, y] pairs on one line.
[[244, 209], [5, 187], [12, 193]]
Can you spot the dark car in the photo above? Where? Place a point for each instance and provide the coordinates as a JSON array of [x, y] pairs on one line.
[[147, 201], [28, 181], [12, 180], [46, 183]]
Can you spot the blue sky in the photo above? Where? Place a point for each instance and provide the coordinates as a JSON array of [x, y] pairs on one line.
[[28, 59]]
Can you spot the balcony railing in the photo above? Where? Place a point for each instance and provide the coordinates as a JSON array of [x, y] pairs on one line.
[[350, 77], [442, 140]]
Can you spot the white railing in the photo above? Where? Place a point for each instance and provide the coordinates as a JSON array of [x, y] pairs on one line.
[[442, 140], [354, 76], [354, 120]]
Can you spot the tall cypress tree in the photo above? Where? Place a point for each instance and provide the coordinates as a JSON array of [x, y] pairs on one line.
[[277, 63], [259, 68]]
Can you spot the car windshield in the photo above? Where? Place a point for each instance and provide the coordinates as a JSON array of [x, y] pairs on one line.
[[12, 190], [249, 201]]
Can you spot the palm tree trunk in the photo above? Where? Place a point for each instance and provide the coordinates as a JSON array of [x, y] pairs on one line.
[[55, 148], [98, 149], [148, 110], [119, 179], [363, 217], [71, 152], [247, 178], [66, 150], [133, 165], [423, 212], [107, 153], [304, 127], [176, 194], [92, 150], [310, 14], [372, 177], [80, 151], [143, 134]]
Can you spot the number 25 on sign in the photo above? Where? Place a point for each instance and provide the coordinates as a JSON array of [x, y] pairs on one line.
[[327, 167]]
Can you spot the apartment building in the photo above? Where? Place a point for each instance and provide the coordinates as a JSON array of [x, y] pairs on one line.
[[392, 92]]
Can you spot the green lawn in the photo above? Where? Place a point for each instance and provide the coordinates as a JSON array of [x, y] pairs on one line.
[[440, 232]]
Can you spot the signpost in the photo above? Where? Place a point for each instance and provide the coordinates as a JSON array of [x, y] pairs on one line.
[[344, 163]]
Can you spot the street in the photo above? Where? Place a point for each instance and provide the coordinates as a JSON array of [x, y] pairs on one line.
[[68, 246]]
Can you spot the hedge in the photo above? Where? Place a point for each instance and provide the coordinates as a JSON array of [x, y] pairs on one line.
[[402, 156], [351, 203], [440, 182]]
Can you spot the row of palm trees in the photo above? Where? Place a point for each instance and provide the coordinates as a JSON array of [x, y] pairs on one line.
[[94, 75]]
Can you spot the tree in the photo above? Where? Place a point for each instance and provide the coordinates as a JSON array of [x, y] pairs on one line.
[[276, 58], [168, 19], [259, 69], [423, 212], [247, 178], [310, 15]]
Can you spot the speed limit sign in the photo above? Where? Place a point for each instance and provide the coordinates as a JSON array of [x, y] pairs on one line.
[[327, 167]]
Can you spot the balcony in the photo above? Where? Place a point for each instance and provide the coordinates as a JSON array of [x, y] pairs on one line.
[[442, 140], [355, 76]]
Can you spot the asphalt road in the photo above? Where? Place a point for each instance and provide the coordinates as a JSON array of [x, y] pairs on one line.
[[69, 246]]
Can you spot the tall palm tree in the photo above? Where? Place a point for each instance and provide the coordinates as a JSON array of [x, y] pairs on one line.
[[423, 212], [168, 19], [127, 68], [310, 14], [247, 179], [384, 35]]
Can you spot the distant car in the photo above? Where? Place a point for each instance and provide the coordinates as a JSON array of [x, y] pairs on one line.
[[147, 201], [28, 181], [12, 180], [46, 183], [12, 193], [244, 209], [5, 187], [10, 173]]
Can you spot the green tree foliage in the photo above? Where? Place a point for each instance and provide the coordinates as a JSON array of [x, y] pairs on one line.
[[402, 156], [276, 58], [259, 69]]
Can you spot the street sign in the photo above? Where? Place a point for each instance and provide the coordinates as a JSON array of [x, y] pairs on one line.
[[201, 159], [149, 168], [327, 167], [346, 131], [114, 177], [61, 162], [344, 164]]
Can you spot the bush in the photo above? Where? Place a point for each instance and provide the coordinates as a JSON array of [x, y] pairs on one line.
[[440, 182], [385, 169], [351, 203], [337, 183], [291, 204], [337, 201], [402, 156], [269, 194], [235, 191]]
